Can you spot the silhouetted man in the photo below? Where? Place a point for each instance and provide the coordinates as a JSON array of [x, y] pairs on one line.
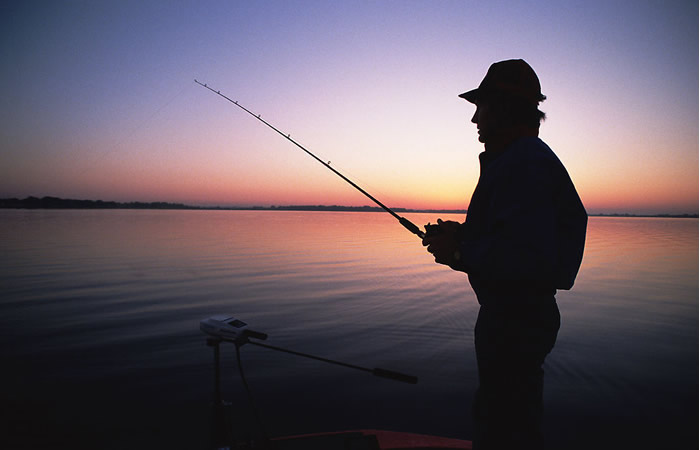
[[522, 240]]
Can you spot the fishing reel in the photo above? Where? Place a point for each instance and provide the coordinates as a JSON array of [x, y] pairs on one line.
[[438, 228], [432, 230]]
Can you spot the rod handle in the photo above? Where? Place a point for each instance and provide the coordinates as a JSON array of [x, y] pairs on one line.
[[384, 373], [412, 227]]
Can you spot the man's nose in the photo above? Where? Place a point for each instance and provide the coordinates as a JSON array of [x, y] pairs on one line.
[[475, 118]]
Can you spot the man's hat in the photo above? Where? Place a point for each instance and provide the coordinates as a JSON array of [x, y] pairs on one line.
[[512, 77]]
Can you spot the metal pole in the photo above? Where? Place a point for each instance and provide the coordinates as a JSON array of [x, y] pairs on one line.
[[222, 434]]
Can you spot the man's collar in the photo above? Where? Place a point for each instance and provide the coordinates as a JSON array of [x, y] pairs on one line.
[[488, 156], [500, 142]]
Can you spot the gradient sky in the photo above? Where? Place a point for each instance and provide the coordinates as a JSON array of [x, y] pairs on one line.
[[98, 99]]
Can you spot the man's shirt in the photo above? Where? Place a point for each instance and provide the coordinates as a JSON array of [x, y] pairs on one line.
[[526, 226]]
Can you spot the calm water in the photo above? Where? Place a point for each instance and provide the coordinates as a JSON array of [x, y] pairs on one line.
[[99, 317]]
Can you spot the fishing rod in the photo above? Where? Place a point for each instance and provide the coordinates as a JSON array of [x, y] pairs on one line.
[[410, 226]]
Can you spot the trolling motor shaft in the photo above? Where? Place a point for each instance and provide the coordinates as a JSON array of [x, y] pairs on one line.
[[221, 432], [410, 226], [230, 329], [377, 371]]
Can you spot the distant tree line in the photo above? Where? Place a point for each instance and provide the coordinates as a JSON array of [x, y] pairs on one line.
[[359, 209], [61, 203], [660, 216]]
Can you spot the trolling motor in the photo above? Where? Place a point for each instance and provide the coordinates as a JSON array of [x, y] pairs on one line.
[[230, 329], [224, 328]]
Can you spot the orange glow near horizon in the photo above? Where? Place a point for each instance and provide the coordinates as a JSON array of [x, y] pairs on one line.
[[308, 183]]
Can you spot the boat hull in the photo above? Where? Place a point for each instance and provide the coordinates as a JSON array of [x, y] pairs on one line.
[[369, 440]]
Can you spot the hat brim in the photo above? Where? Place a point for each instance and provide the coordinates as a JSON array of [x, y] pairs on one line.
[[470, 96]]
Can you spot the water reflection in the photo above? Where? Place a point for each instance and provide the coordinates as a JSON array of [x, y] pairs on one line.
[[94, 301]]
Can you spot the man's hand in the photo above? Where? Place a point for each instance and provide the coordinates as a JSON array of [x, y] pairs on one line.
[[443, 244]]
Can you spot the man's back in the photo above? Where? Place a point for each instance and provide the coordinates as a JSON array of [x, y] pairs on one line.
[[525, 227]]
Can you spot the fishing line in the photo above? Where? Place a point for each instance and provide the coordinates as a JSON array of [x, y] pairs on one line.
[[410, 226], [140, 126]]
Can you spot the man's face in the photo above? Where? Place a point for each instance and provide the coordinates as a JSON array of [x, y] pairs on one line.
[[485, 120]]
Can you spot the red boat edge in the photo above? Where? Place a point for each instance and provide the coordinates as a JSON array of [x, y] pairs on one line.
[[370, 440]]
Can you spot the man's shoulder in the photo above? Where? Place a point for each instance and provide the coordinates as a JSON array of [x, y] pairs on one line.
[[532, 147], [532, 150]]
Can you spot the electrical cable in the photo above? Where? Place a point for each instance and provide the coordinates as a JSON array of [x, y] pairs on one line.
[[253, 406]]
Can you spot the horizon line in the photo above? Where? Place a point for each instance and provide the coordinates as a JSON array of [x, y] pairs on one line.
[[48, 202]]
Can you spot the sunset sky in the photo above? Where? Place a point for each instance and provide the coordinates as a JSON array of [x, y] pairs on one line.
[[98, 99]]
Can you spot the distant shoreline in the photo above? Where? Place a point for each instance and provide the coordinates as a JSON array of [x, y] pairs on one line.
[[60, 203]]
